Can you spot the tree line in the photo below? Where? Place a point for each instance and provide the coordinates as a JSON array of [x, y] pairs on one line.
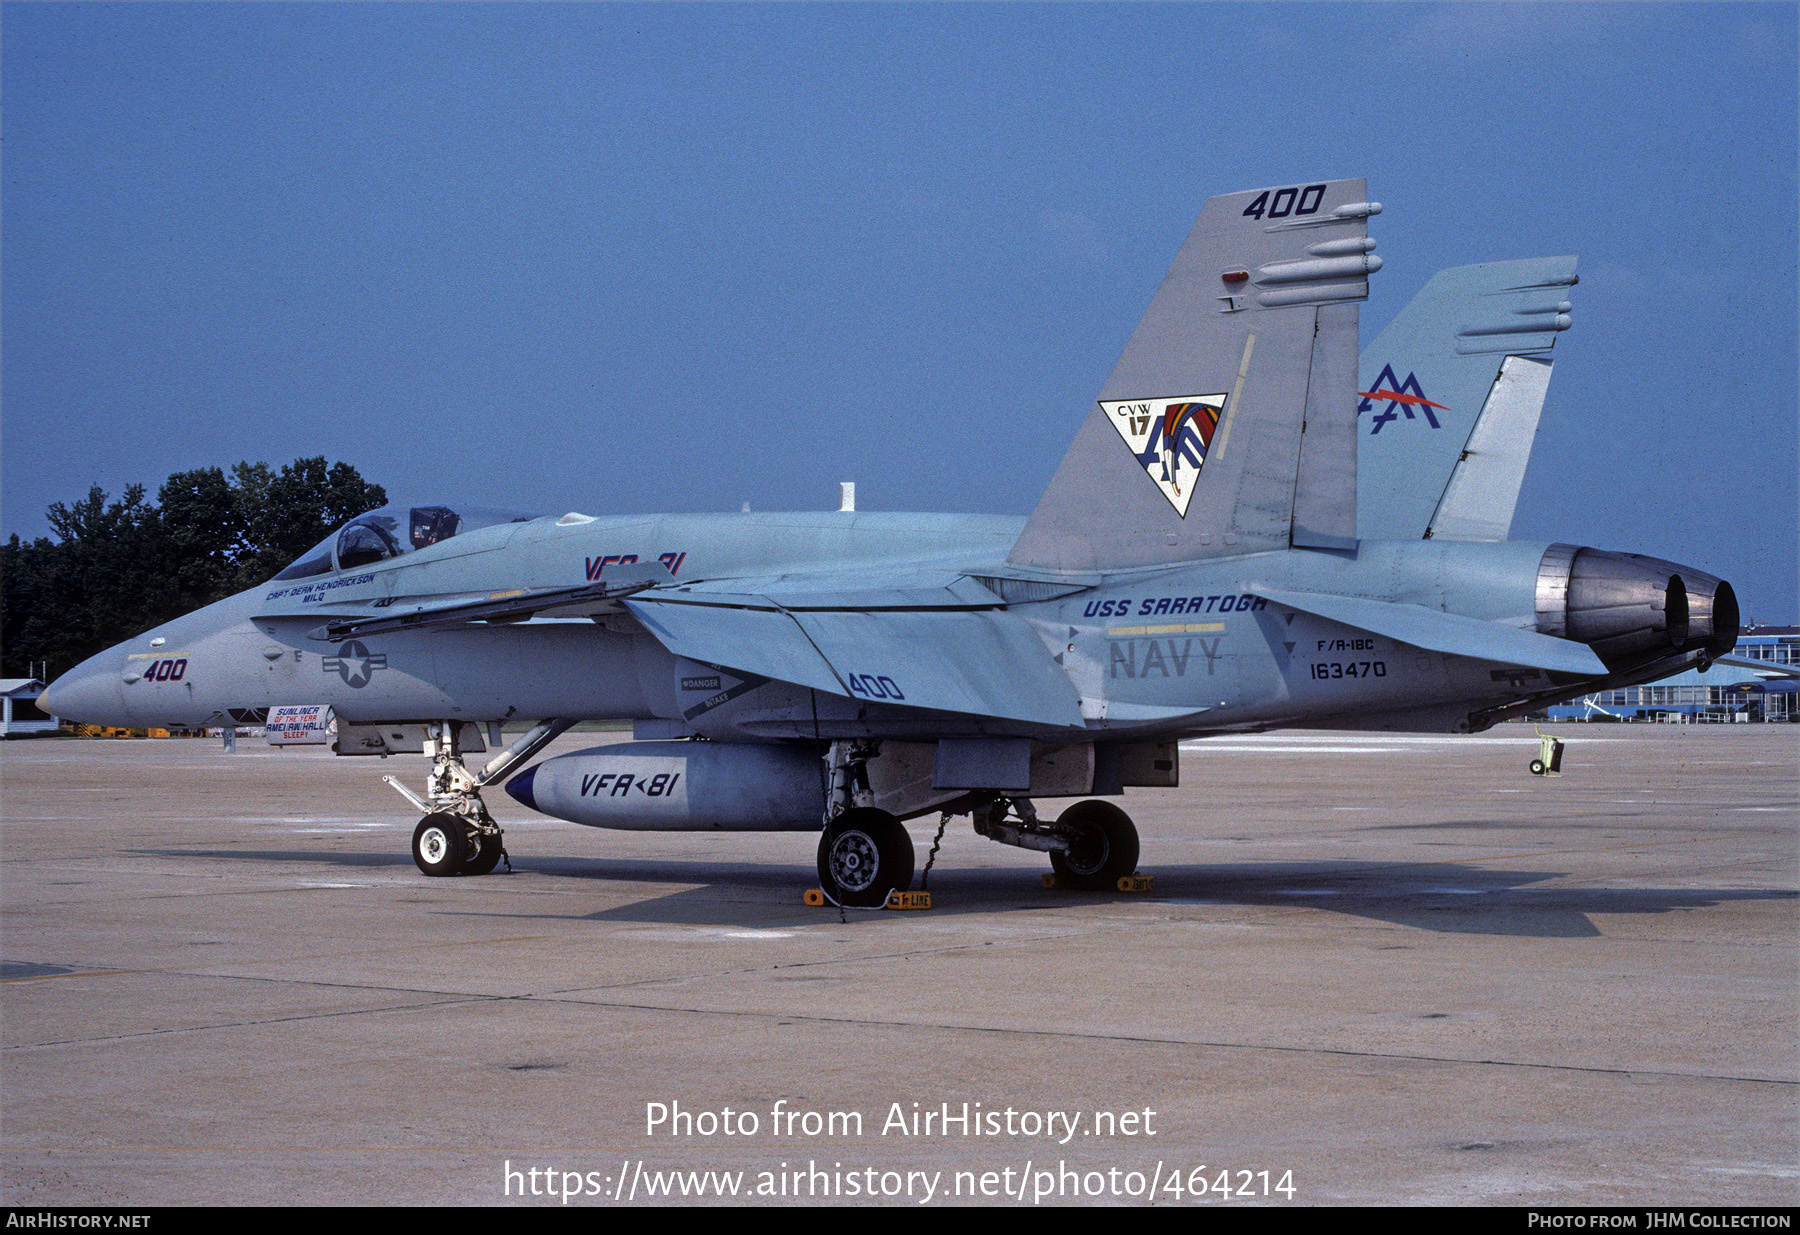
[[117, 567]]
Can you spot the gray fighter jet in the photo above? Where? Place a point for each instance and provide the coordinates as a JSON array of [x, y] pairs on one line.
[[1196, 566]]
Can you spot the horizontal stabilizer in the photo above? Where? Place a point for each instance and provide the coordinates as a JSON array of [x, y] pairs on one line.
[[976, 662], [1764, 668], [1450, 633]]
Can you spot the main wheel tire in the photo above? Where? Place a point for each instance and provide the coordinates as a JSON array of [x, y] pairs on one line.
[[482, 852], [1537, 767], [1105, 851], [863, 855], [440, 844]]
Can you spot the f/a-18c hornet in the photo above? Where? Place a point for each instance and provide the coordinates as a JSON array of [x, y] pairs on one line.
[[1197, 565]]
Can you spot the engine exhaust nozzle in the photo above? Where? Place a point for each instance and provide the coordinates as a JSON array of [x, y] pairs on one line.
[[1633, 610]]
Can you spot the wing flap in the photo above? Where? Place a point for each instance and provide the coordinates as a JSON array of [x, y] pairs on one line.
[[981, 663], [1451, 633], [766, 642]]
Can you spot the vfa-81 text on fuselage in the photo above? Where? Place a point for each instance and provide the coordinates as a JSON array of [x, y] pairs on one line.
[[1194, 567]]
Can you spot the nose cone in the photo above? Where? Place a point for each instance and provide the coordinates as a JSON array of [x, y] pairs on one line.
[[92, 693], [520, 788]]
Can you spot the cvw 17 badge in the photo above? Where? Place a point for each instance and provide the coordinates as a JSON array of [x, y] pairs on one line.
[[1169, 437]]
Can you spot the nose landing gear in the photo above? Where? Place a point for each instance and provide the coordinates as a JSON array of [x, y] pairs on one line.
[[446, 844], [457, 836]]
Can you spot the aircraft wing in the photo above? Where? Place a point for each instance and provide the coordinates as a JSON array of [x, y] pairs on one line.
[[901, 590], [949, 657], [1452, 633], [766, 642]]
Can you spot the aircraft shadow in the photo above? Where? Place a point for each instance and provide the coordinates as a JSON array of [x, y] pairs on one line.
[[359, 861], [1444, 898]]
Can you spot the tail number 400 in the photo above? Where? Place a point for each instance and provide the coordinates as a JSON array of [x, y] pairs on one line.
[[1286, 201]]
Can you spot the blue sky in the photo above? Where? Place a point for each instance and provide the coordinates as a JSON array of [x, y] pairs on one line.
[[621, 258]]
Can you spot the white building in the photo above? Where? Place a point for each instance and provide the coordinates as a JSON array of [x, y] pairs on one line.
[[1723, 692], [19, 712]]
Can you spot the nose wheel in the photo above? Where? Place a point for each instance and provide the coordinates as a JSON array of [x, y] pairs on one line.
[[485, 849], [444, 844], [438, 844], [864, 854]]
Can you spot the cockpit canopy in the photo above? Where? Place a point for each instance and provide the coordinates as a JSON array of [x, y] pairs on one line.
[[392, 531]]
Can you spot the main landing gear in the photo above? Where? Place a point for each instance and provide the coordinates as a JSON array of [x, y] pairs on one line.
[[865, 852], [457, 836], [1092, 845], [1102, 850]]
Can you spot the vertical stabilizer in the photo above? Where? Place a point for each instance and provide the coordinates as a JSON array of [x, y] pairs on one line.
[[1195, 447], [1449, 405]]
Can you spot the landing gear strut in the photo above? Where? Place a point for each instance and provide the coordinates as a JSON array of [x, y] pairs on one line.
[[864, 853], [457, 836]]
